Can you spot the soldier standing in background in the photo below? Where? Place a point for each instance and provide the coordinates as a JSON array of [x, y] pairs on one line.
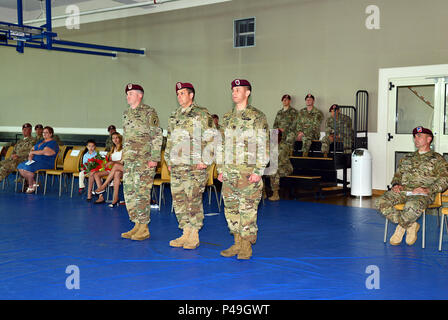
[[307, 126], [142, 141], [284, 121], [188, 173], [419, 176], [242, 176], [19, 154], [343, 130], [109, 144]]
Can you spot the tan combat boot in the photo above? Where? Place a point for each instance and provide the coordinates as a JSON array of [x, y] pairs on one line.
[[397, 237], [234, 249], [192, 241], [411, 233], [246, 250], [179, 242], [275, 196], [127, 235], [142, 233], [305, 154]]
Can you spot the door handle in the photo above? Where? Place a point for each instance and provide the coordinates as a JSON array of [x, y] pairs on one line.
[[389, 136]]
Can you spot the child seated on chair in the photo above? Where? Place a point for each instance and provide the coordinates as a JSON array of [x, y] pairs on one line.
[[91, 153], [114, 174]]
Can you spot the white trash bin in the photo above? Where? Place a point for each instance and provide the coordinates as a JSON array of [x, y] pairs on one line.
[[361, 173]]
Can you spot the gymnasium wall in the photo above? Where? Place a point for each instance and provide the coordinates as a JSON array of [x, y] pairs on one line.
[[319, 46]]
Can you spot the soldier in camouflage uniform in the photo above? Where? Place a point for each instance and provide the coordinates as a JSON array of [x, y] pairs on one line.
[[39, 129], [142, 141], [418, 178], [242, 169], [343, 130], [19, 154], [109, 144], [284, 121], [307, 125], [188, 173]]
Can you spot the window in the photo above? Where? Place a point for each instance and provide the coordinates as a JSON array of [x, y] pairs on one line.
[[244, 33]]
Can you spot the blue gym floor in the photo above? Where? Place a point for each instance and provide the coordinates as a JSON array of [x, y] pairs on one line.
[[304, 251]]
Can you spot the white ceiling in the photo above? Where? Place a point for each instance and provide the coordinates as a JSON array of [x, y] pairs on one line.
[[91, 10]]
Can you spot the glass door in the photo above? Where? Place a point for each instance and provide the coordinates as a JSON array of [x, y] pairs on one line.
[[412, 102]]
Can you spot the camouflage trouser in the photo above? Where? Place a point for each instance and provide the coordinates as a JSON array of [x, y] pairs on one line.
[[187, 187], [284, 166], [138, 179], [326, 142], [413, 208], [7, 167], [241, 199], [307, 139]]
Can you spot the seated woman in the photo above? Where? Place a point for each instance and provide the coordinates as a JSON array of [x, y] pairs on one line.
[[116, 173], [42, 156]]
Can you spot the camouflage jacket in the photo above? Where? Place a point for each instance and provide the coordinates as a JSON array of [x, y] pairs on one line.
[[185, 143], [343, 126], [428, 170], [23, 147], [238, 129], [285, 120], [308, 122], [142, 136]]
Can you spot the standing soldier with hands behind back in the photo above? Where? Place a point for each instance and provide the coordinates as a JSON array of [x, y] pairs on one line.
[[284, 121], [142, 142], [242, 169]]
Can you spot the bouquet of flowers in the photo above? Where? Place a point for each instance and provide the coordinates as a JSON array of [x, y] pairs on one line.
[[97, 163]]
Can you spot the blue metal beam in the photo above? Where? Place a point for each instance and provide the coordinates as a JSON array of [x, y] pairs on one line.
[[96, 46], [20, 23], [48, 27]]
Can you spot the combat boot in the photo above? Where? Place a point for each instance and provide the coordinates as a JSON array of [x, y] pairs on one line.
[[127, 235], [142, 232], [275, 196], [192, 241], [397, 237], [234, 249], [411, 233], [179, 242], [246, 250], [305, 154]]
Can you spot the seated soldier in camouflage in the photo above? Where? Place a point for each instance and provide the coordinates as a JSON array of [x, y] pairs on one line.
[[418, 178], [307, 125], [344, 131], [19, 153]]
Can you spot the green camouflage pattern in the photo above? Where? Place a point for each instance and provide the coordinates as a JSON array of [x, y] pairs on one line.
[[142, 142], [343, 129], [109, 144], [22, 149], [241, 197], [247, 124], [285, 120], [187, 186], [183, 152], [428, 170], [184, 143], [309, 123]]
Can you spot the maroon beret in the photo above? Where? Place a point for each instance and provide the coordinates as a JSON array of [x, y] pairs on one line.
[[309, 95], [182, 85], [241, 83], [286, 96], [333, 107], [131, 86], [422, 130]]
